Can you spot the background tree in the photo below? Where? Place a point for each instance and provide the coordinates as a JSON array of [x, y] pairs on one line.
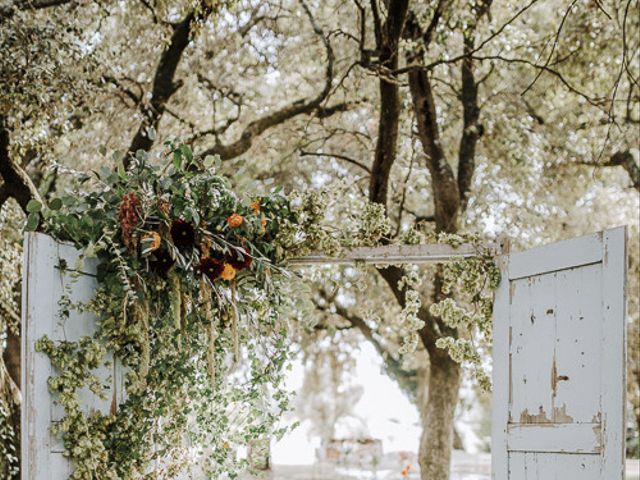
[[455, 116]]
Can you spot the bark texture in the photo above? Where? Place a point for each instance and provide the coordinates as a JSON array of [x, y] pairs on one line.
[[439, 410]]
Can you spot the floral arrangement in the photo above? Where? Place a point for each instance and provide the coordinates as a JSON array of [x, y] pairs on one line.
[[191, 291], [189, 284]]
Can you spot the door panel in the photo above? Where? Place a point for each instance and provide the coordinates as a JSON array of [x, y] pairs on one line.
[[559, 361]]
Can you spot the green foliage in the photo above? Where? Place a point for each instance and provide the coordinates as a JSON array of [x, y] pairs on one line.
[[189, 286], [471, 281], [8, 456]]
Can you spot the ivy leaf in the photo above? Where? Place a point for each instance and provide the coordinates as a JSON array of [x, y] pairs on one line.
[[32, 222], [186, 151], [34, 206], [55, 204], [209, 161], [177, 159], [141, 155]]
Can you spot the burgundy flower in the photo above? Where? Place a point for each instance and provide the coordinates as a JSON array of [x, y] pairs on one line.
[[239, 259], [182, 233], [161, 261], [128, 217], [211, 267]]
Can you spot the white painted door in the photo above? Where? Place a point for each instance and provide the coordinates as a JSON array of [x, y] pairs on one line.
[[559, 361], [44, 284]]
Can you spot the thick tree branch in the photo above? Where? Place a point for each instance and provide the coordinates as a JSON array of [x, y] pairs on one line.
[[390, 106], [625, 160], [163, 83], [17, 183], [472, 130], [443, 182]]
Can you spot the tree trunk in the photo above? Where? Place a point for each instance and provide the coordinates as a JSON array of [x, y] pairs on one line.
[[11, 389], [438, 413], [11, 356]]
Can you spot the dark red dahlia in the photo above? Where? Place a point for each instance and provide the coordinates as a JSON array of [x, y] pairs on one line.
[[239, 259], [182, 233], [211, 267], [161, 261], [129, 216]]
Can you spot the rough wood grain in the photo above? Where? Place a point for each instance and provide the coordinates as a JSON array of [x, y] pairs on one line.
[[559, 361]]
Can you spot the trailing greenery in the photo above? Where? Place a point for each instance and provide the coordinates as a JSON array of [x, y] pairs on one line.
[[467, 306], [189, 286]]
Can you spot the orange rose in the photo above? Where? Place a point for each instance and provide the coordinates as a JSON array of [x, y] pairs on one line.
[[228, 272], [235, 220], [255, 206], [151, 241]]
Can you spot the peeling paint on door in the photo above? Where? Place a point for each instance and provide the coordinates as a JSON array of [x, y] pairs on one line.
[[558, 403]]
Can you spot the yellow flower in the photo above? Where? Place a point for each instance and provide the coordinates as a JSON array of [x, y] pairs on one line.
[[228, 272], [235, 220], [151, 241], [255, 206], [225, 445]]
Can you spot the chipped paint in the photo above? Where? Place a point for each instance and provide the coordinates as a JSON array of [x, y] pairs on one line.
[[564, 321], [541, 417], [558, 415]]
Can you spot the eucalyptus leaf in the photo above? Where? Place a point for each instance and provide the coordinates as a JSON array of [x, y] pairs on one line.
[[34, 206], [55, 204], [33, 220]]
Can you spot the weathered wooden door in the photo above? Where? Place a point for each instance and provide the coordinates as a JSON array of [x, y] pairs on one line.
[[50, 278], [559, 361]]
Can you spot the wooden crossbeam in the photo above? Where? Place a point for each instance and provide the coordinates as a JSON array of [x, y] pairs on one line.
[[397, 254]]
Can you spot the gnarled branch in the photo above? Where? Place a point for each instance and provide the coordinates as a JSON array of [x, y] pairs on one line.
[[625, 160], [406, 379], [299, 107]]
